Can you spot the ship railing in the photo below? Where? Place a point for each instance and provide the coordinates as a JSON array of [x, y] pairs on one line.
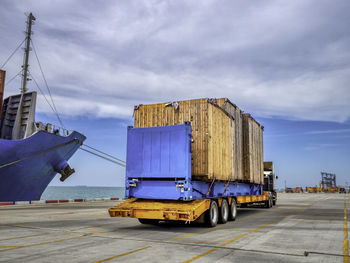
[[51, 128]]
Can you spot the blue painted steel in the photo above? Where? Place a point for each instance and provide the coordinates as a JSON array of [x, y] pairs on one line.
[[188, 190], [26, 180], [159, 152], [61, 165], [159, 167]]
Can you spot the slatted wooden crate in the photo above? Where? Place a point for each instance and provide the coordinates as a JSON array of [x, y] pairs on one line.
[[236, 112], [212, 134], [253, 159]]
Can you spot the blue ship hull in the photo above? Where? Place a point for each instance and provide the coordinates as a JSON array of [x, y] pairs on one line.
[[27, 166]]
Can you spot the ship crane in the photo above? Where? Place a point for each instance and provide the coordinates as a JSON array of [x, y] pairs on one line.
[[27, 49]]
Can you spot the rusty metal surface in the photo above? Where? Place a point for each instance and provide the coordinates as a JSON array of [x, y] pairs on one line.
[[2, 86]]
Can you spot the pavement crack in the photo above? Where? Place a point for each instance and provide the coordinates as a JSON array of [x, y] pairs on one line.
[[306, 253]]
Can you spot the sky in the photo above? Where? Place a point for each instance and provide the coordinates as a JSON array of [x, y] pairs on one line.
[[285, 62]]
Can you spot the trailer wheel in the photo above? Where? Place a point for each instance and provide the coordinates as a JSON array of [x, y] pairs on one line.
[[223, 212], [233, 210], [148, 221], [266, 204], [269, 202], [212, 215]]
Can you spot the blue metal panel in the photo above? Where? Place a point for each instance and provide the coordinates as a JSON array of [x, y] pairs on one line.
[[219, 189], [156, 189], [159, 152]]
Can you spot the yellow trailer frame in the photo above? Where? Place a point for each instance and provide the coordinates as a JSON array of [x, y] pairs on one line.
[[172, 209]]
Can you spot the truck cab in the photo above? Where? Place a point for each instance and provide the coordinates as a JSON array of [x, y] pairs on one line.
[[269, 181]]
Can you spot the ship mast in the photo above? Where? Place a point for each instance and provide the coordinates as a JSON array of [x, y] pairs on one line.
[[25, 65]]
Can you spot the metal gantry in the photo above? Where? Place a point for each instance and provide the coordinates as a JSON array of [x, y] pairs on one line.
[[328, 180]]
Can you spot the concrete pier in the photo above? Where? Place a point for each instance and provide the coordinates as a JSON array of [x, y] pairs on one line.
[[301, 228]]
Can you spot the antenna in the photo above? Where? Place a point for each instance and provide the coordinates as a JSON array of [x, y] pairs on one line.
[[25, 65]]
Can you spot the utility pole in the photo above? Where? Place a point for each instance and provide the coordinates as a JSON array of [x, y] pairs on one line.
[[25, 65]]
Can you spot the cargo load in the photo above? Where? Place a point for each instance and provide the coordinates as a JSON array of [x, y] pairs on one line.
[[217, 137], [186, 161], [212, 134], [236, 112], [252, 150]]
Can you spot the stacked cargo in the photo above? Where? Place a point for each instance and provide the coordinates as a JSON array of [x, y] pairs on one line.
[[236, 113], [253, 159], [193, 160], [212, 145], [226, 144]]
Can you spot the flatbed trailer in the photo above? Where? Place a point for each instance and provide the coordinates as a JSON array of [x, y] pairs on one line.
[[153, 211], [159, 186]]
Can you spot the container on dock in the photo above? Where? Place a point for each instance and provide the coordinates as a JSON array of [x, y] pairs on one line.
[[253, 160]]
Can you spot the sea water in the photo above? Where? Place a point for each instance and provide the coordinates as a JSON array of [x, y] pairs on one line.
[[85, 192]]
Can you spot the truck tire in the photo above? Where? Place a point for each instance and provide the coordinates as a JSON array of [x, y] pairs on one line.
[[212, 215], [224, 211], [233, 210], [148, 221], [268, 203]]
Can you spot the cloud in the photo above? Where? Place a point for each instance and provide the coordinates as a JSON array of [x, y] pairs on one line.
[[272, 58], [319, 146], [328, 131]]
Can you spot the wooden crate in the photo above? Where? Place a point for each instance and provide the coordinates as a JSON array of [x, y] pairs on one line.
[[253, 160], [213, 134], [234, 111]]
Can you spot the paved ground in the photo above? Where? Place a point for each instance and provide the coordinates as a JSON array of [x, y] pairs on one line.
[[84, 233]]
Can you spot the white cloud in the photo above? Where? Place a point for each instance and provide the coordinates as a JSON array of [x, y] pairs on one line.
[[286, 59], [329, 131], [320, 146]]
